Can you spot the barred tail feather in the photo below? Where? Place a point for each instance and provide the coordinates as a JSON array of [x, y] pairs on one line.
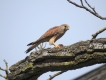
[[31, 47], [31, 43]]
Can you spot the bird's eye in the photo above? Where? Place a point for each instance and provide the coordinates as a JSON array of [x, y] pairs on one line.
[[64, 26]]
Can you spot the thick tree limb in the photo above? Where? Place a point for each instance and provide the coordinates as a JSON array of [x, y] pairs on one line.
[[91, 10], [71, 57]]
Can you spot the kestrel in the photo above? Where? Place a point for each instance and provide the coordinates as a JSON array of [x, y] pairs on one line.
[[51, 36]]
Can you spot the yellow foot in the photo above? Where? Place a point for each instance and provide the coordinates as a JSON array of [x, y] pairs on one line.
[[58, 46]]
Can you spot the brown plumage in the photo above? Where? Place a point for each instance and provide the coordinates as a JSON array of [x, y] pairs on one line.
[[52, 35]]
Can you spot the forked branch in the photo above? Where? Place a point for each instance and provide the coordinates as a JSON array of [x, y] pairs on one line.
[[6, 70], [98, 32], [91, 10]]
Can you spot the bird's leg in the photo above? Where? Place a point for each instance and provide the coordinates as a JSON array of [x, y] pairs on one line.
[[56, 46], [52, 42]]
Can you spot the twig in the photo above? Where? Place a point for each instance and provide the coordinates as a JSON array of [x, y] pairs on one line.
[[92, 11], [1, 75], [41, 46], [91, 7], [98, 32], [6, 70], [2, 69], [56, 74], [81, 2]]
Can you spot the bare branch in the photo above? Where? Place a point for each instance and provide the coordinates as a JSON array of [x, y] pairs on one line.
[[56, 74], [41, 46], [2, 69], [92, 11], [98, 32], [6, 70], [91, 7], [75, 4], [81, 2], [1, 75]]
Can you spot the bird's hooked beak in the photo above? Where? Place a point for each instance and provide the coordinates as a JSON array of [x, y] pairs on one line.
[[67, 28]]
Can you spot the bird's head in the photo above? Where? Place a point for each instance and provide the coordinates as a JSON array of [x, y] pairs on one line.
[[65, 27]]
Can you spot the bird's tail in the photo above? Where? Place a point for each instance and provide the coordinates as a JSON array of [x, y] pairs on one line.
[[32, 46], [32, 43]]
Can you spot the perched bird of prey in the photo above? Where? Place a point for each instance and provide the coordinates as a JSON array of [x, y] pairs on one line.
[[52, 35]]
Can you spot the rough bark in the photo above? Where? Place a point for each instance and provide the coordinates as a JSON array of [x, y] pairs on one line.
[[96, 74], [78, 55]]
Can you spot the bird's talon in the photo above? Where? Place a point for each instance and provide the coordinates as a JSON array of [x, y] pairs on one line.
[[57, 47]]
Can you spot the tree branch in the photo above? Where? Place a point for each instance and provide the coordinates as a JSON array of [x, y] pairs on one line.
[[92, 11], [56, 74], [81, 2], [91, 7], [6, 70], [66, 58], [78, 55], [98, 32]]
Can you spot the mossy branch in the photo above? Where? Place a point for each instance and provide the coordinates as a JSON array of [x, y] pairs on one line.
[[71, 57], [78, 55]]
